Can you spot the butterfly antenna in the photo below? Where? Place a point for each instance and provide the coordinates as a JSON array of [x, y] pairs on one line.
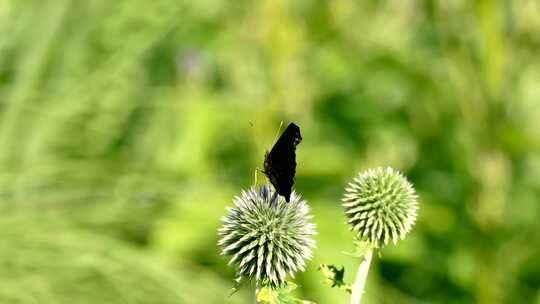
[[278, 131]]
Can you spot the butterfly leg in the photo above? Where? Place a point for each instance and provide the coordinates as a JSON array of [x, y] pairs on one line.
[[257, 169], [255, 178]]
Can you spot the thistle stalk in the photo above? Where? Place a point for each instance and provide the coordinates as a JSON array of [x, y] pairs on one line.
[[361, 278]]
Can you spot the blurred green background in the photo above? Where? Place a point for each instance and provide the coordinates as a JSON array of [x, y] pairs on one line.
[[126, 127]]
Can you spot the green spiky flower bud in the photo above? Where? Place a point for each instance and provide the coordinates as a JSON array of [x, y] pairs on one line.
[[380, 205], [266, 237]]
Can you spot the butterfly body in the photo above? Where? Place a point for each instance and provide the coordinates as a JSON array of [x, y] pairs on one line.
[[280, 162]]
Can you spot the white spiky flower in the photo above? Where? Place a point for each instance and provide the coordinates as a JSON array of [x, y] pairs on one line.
[[266, 237], [380, 205]]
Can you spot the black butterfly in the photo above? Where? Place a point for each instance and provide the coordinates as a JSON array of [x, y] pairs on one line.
[[280, 162]]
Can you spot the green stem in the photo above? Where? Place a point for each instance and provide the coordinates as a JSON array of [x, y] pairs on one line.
[[361, 277]]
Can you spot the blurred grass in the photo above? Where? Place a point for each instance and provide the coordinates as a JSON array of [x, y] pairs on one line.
[[50, 261], [127, 126]]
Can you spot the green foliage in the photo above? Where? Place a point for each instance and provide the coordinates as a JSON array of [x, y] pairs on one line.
[[361, 248], [281, 295], [127, 124], [50, 261], [334, 277]]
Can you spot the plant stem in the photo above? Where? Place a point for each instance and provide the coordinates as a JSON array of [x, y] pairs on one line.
[[361, 277]]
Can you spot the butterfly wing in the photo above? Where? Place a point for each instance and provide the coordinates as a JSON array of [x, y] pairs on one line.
[[280, 162]]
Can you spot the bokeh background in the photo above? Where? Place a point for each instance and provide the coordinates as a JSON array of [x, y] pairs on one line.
[[126, 127]]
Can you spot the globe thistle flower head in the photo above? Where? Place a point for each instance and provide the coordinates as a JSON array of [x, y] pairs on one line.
[[266, 237], [380, 205]]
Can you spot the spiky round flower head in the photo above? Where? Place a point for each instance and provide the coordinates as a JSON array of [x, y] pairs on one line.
[[380, 205], [266, 237]]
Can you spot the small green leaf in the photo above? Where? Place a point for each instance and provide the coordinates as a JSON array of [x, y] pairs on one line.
[[362, 247], [268, 295], [335, 277]]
